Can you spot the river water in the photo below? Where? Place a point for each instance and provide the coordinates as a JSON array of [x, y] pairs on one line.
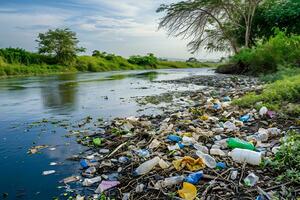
[[33, 110]]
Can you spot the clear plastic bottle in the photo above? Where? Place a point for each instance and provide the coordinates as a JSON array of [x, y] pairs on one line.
[[245, 155], [168, 182], [207, 159], [88, 182], [217, 152], [147, 166]]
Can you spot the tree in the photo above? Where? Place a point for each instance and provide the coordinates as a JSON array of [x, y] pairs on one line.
[[209, 23], [61, 44]]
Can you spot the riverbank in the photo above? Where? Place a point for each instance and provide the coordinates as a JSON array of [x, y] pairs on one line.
[[22, 63], [192, 124]]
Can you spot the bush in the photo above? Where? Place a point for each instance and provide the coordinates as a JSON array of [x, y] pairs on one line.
[[149, 60], [20, 56], [266, 57]]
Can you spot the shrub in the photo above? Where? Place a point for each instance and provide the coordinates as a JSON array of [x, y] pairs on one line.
[[149, 60], [267, 57]]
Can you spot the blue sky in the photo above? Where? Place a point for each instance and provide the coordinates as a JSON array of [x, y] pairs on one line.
[[124, 27]]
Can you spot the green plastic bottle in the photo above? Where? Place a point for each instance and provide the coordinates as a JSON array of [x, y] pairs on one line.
[[237, 143]]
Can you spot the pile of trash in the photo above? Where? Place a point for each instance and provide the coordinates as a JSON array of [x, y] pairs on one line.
[[213, 150]]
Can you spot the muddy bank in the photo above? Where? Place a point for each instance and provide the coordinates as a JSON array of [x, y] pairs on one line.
[[187, 151]]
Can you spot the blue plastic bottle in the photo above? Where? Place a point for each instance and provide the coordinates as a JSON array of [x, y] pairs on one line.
[[174, 138], [194, 178]]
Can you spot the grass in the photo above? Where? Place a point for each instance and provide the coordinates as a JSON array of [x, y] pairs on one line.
[[282, 95], [287, 159]]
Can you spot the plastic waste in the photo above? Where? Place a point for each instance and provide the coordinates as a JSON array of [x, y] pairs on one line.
[[105, 185], [126, 196], [84, 164], [46, 173], [139, 188], [168, 182], [163, 164], [208, 160], [143, 153], [217, 152], [226, 98], [245, 118], [88, 182], [271, 114], [245, 155], [71, 179], [188, 191], [147, 166], [238, 143], [113, 177], [221, 165], [173, 147], [263, 110], [217, 106], [90, 170], [188, 140], [233, 174], [174, 138], [97, 141], [201, 148], [251, 180], [154, 144], [190, 163], [194, 178], [123, 159], [218, 130], [230, 126]]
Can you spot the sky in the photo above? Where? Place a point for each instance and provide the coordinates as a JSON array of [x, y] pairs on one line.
[[123, 27]]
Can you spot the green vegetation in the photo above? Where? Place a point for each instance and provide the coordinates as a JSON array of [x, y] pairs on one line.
[[280, 50], [282, 95], [287, 159], [15, 62], [149, 60], [61, 44]]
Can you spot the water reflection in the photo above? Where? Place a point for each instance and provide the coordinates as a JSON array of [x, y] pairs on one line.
[[60, 94]]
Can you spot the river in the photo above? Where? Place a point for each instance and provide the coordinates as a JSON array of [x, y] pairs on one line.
[[33, 110]]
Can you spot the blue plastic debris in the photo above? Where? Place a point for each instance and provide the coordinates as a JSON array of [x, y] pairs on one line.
[[194, 178], [227, 98], [245, 118], [174, 138], [221, 165], [217, 106], [181, 146], [84, 164]]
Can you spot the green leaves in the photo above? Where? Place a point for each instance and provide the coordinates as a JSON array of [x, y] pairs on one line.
[[60, 43]]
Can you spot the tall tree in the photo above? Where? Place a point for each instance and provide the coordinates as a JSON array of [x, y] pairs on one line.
[[209, 23], [60, 43]]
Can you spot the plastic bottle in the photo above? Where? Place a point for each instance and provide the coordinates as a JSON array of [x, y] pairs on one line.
[[245, 155], [233, 174], [172, 181], [237, 143], [217, 152], [207, 159], [168, 182], [147, 166], [88, 182], [251, 179], [194, 178]]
